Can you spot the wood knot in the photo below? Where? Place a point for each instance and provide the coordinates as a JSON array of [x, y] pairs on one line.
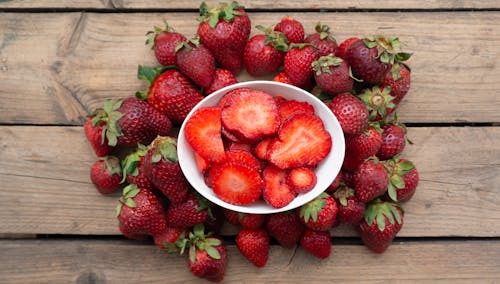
[[91, 277]]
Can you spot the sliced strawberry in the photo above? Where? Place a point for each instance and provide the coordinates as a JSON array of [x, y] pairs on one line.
[[229, 136], [261, 148], [236, 183], [291, 107], [279, 99], [277, 192], [243, 157], [201, 163], [203, 133], [238, 146], [302, 141], [301, 179], [253, 114]]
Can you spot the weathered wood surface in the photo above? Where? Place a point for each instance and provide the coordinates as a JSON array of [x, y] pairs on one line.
[[92, 261], [56, 67], [45, 186]]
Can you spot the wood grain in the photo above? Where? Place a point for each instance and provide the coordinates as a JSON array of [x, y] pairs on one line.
[[54, 68], [45, 186], [92, 261]]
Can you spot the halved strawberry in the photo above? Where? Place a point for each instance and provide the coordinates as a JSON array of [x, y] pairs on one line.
[[243, 157], [261, 148], [277, 192], [236, 183], [302, 141], [301, 179], [291, 107], [203, 133], [253, 114]]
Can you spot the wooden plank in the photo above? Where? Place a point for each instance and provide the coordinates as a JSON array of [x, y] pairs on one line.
[[92, 261], [81, 59], [45, 186], [20, 4]]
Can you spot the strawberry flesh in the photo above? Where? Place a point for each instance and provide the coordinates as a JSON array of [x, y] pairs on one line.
[[236, 183], [203, 133], [277, 192]]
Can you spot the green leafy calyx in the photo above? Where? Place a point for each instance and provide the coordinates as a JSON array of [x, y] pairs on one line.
[[386, 48], [112, 164], [129, 192], [224, 11], [275, 39], [343, 193], [380, 212], [131, 162], [164, 147], [151, 35], [377, 100], [311, 210], [396, 168], [325, 63], [109, 116], [324, 32]]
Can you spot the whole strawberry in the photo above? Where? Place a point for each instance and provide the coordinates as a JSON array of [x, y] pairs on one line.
[[322, 40], [97, 140], [343, 46], [291, 28], [163, 41], [285, 227], [284, 78], [332, 75], [403, 179], [381, 223], [370, 180], [133, 168], [350, 112], [378, 101], [399, 80], [254, 245], [297, 62], [196, 61], [320, 213], [170, 92], [251, 221], [128, 235], [193, 211], [162, 169], [335, 183], [351, 210], [131, 121], [222, 78], [393, 140], [106, 174], [264, 53], [224, 30], [169, 238], [317, 243], [362, 146]]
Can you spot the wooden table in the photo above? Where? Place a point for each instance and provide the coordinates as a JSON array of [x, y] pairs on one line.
[[61, 59]]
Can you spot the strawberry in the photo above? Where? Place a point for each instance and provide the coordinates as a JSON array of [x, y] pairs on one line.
[[252, 114], [322, 40], [291, 28], [106, 174], [261, 148], [332, 75], [140, 211], [381, 223], [163, 41], [370, 180], [203, 133], [288, 108], [130, 121], [393, 140], [264, 53], [350, 112], [236, 183], [233, 217], [403, 179], [196, 61], [301, 179], [167, 240], [282, 77], [254, 245], [215, 221], [302, 141], [276, 193], [170, 92], [96, 137], [191, 212], [297, 63], [343, 46], [243, 157], [251, 221], [378, 101], [127, 234], [162, 168], [317, 243], [222, 78], [320, 213], [399, 81], [285, 227], [335, 183], [238, 147], [362, 146], [224, 30], [133, 168], [351, 210], [201, 164]]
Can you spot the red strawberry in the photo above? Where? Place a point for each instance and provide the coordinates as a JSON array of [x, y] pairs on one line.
[[252, 114], [133, 168], [168, 239], [264, 53], [222, 78], [254, 245], [350, 112], [291, 28], [381, 223], [202, 164], [332, 75], [224, 30], [288, 108], [399, 81], [140, 212], [203, 133], [261, 148], [238, 146], [233, 217], [106, 174], [282, 77], [403, 179], [378, 101], [243, 157], [370, 180], [301, 179], [162, 169], [362, 146], [320, 213], [297, 63], [191, 212], [276, 193], [127, 234], [285, 227], [164, 41], [302, 141], [393, 140], [97, 140], [196, 61], [335, 183], [343, 46], [317, 243], [322, 40], [130, 121], [251, 221], [170, 92], [236, 183], [351, 210]]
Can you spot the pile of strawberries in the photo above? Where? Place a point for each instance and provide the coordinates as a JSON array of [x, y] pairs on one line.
[[362, 80]]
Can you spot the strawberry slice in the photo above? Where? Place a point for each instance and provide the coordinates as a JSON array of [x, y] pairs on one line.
[[261, 148], [239, 146], [236, 183], [277, 192], [302, 141], [301, 179], [201, 163], [291, 107], [203, 133], [243, 157], [252, 114]]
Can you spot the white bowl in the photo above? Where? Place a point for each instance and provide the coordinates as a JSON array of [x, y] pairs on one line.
[[326, 170]]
